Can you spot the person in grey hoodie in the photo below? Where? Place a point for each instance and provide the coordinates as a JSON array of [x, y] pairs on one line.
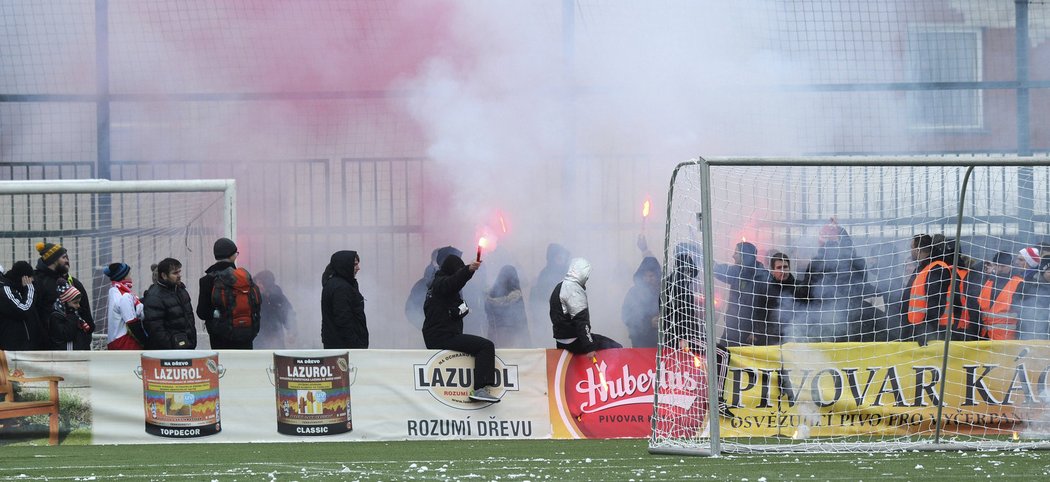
[[571, 314]]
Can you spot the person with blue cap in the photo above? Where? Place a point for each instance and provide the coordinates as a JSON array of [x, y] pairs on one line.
[[124, 329]]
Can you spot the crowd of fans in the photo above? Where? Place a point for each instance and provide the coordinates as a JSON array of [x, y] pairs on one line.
[[1005, 297]]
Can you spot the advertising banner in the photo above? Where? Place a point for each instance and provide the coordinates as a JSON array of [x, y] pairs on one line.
[[824, 389], [132, 397], [607, 396]]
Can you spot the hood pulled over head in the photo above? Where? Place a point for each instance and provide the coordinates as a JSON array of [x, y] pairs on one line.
[[342, 264], [579, 271], [451, 264]]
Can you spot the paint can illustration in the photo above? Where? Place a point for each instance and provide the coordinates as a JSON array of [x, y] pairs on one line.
[[180, 392], [313, 392]]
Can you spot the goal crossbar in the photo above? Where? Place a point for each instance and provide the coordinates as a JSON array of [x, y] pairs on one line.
[[103, 186]]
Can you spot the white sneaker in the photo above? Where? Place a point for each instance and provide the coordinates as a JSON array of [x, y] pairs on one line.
[[483, 395]]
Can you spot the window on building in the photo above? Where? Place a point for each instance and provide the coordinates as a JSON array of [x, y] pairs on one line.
[[945, 55]]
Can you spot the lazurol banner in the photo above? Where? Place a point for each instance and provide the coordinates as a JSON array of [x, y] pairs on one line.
[[131, 397], [609, 395], [992, 387]]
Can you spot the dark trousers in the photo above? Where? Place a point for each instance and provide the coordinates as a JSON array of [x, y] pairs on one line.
[[581, 345], [482, 349]]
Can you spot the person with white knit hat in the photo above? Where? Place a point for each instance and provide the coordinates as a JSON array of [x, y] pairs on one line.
[[1027, 261], [1034, 315], [1028, 258]]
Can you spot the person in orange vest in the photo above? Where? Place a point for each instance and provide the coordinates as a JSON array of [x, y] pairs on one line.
[[928, 285], [998, 299], [926, 316], [965, 326]]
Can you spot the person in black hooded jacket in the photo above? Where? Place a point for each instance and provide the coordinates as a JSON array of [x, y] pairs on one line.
[[444, 310], [558, 257], [343, 323], [641, 305], [748, 284], [20, 327], [505, 309], [418, 293]]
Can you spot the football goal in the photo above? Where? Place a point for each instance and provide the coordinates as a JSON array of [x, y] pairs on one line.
[[100, 222], [855, 304]]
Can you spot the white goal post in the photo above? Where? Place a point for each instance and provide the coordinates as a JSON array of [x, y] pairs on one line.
[[228, 188], [855, 304], [100, 221]]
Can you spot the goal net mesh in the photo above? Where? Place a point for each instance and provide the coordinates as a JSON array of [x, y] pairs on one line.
[[137, 228], [847, 312]]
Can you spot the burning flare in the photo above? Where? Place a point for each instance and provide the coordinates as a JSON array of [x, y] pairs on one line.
[[601, 373], [482, 242], [645, 208]]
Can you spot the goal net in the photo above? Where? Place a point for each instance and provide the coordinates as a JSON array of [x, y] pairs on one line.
[[855, 304], [100, 222]]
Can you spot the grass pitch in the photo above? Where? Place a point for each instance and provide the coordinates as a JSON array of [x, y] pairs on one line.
[[517, 460]]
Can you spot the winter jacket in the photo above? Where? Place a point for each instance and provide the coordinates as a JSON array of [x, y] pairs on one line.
[[205, 309], [220, 331], [48, 282], [167, 316], [746, 305], [685, 317], [831, 296], [343, 323], [277, 316], [505, 309], [20, 327], [569, 310], [539, 296], [66, 331], [443, 315], [641, 306], [1034, 311], [124, 318]]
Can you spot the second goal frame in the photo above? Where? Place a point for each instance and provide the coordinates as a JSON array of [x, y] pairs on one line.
[[1012, 224]]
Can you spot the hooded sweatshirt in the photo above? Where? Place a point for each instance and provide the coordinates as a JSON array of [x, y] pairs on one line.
[[569, 310], [549, 276], [343, 323], [685, 312], [505, 309], [444, 308], [20, 327], [641, 305], [748, 287]]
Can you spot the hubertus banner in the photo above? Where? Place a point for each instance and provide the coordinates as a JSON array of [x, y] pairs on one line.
[[609, 395], [831, 389], [269, 396]]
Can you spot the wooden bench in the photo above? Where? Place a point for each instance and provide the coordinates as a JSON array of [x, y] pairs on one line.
[[9, 408]]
